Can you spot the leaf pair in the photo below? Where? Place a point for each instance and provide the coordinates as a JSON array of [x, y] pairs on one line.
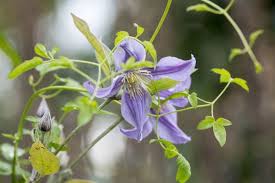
[[252, 39], [225, 77], [218, 127], [42, 51]]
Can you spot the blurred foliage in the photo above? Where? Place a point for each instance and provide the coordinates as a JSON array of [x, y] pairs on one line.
[[9, 50]]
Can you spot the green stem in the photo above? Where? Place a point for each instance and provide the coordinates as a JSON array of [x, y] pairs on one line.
[[52, 95], [222, 92], [38, 81], [85, 151], [164, 15], [255, 61], [83, 75], [68, 138], [204, 101], [61, 119], [86, 62], [27, 107], [181, 110], [229, 5]]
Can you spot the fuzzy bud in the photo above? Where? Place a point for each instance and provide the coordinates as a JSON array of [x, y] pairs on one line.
[[43, 112]]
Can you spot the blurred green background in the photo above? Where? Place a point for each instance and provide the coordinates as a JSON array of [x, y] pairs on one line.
[[249, 154]]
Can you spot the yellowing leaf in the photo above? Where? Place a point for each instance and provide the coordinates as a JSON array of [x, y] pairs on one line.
[[42, 160]]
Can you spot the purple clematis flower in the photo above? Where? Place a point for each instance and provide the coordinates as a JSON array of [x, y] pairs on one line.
[[135, 97]]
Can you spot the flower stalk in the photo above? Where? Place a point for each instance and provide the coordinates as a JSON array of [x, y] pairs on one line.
[[94, 142], [160, 24]]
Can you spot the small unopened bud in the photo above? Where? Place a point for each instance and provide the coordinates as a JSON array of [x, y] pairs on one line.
[[42, 108], [45, 121], [31, 80]]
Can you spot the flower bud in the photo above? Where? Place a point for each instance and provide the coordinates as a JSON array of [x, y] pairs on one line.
[[45, 121], [42, 108]]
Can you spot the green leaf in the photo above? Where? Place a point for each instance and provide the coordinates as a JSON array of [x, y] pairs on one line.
[[53, 65], [184, 169], [55, 136], [254, 36], [85, 30], [24, 67], [149, 47], [42, 160], [193, 99], [70, 106], [140, 30], [7, 151], [120, 36], [175, 96], [202, 8], [156, 86], [242, 83], [131, 64], [225, 76], [32, 119], [224, 122], [53, 52], [41, 50], [5, 168], [9, 50], [170, 151], [220, 133], [87, 108], [236, 52], [206, 123], [9, 136]]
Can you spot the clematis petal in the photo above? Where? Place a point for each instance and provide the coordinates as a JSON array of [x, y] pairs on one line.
[[107, 92], [126, 49], [174, 68], [135, 133], [134, 110], [168, 128]]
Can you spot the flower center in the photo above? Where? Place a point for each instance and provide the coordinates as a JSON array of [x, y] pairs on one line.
[[135, 82]]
